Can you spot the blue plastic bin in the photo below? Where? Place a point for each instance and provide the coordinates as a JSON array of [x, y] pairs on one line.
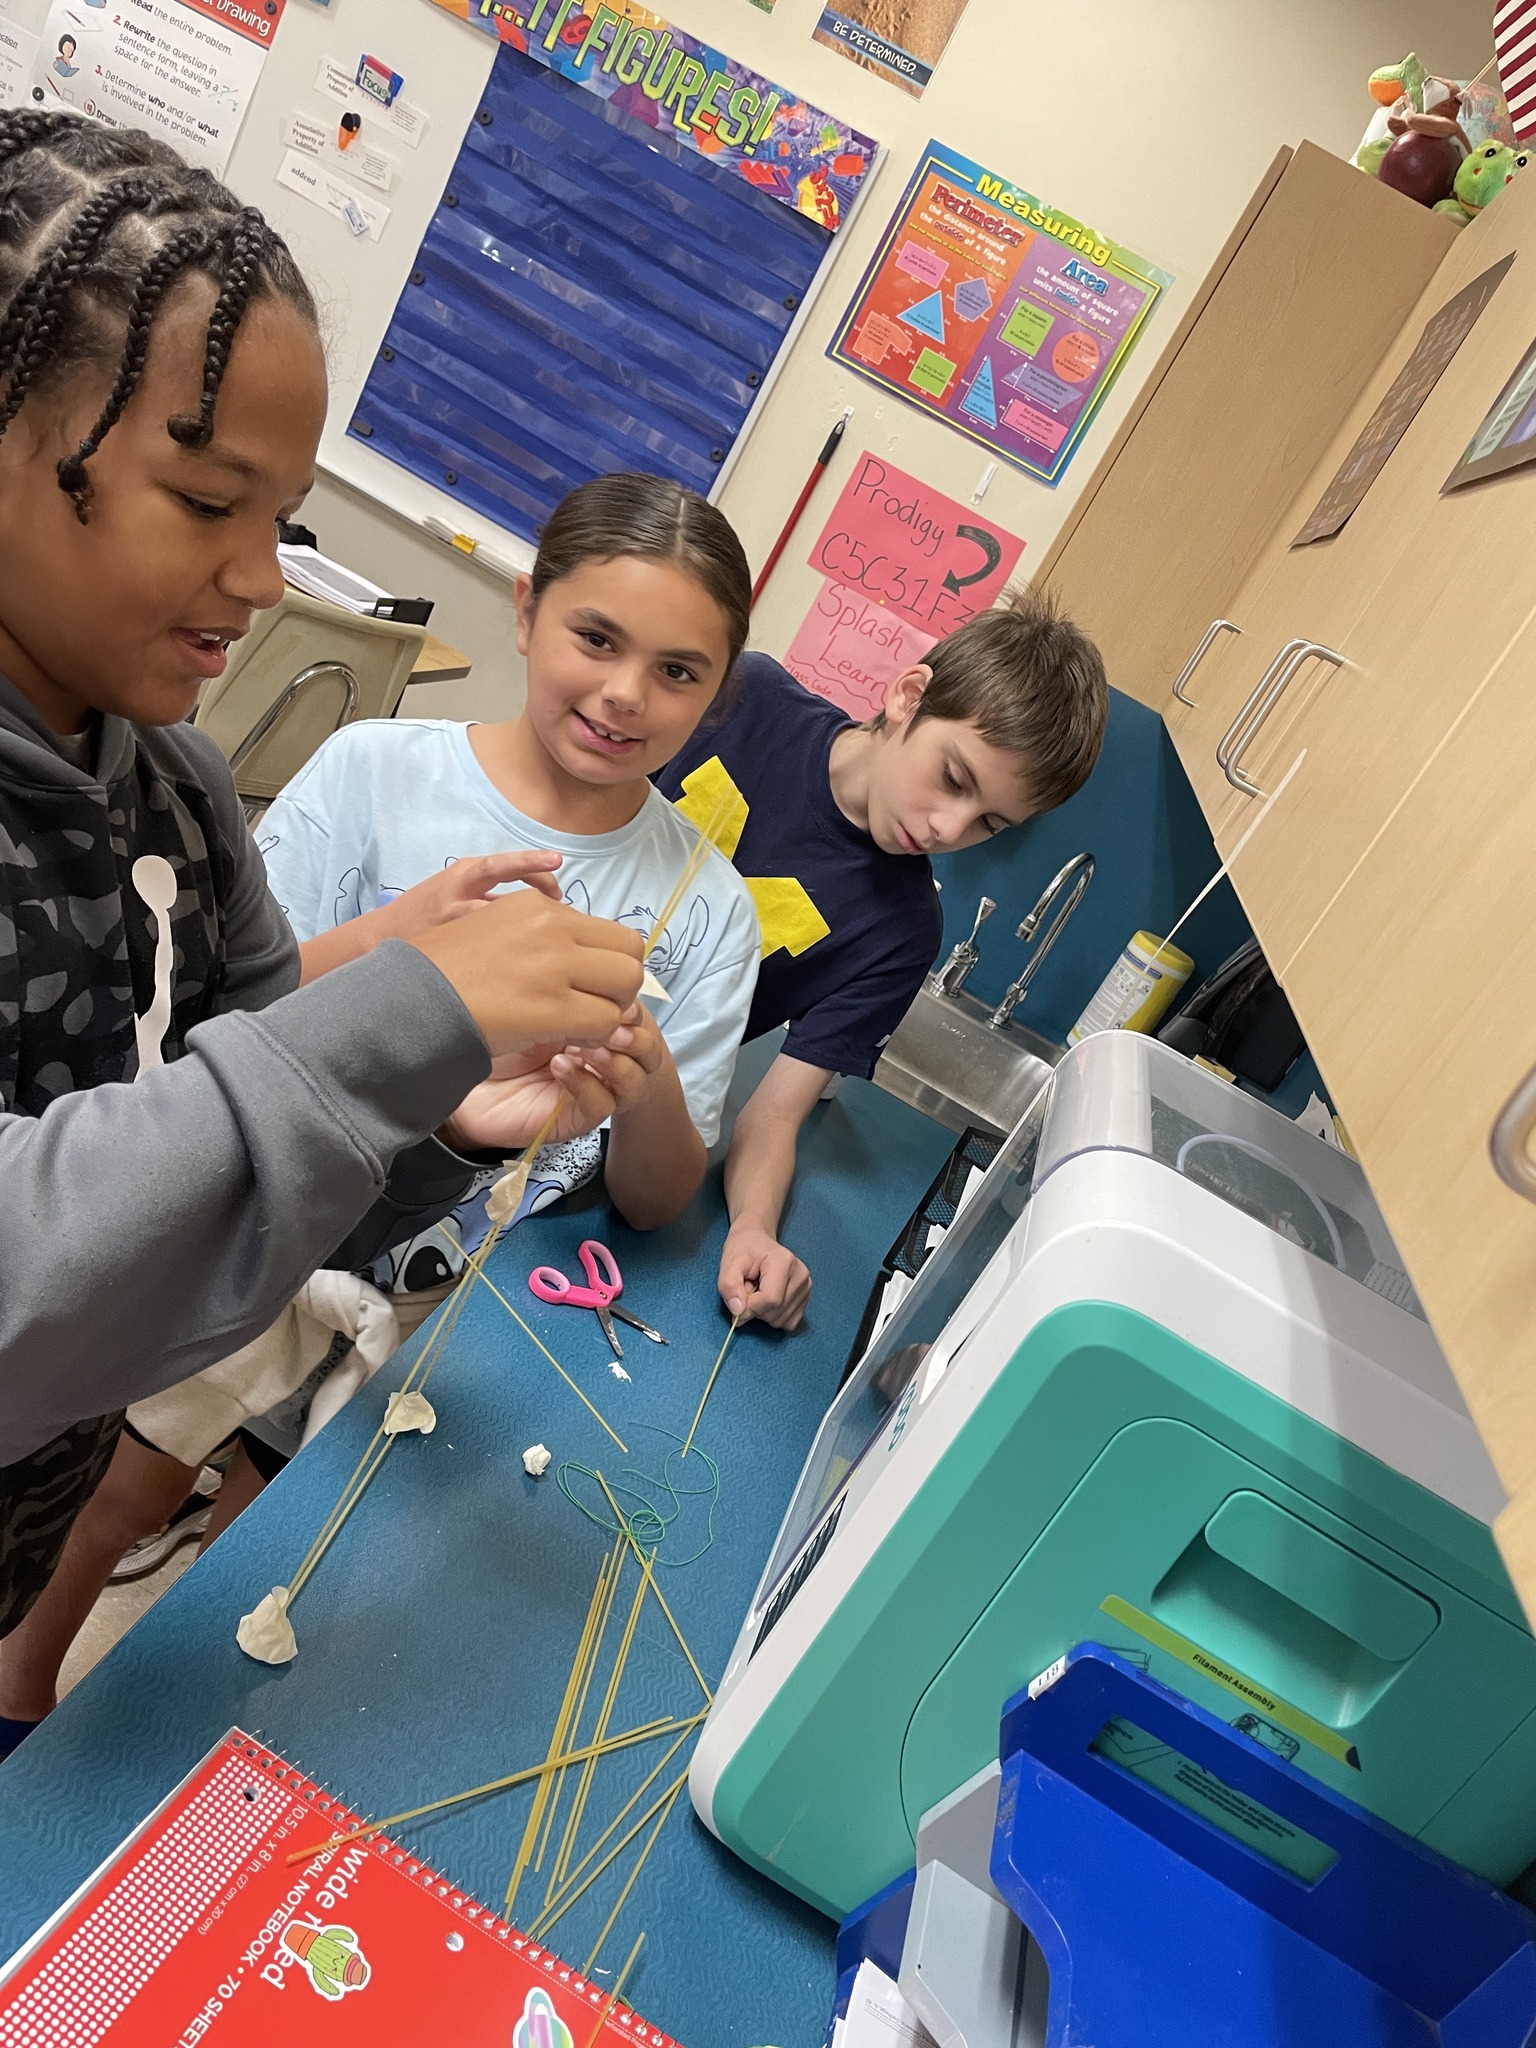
[[876, 1931], [1190, 1889]]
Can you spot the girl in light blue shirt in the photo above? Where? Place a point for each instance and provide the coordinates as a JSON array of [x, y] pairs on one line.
[[631, 623]]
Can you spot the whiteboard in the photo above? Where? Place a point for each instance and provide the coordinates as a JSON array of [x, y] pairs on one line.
[[357, 281], [445, 65]]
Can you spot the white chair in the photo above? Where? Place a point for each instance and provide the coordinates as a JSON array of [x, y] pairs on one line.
[[304, 670]]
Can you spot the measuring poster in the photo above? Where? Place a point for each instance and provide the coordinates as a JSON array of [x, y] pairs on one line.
[[1006, 318], [184, 69], [692, 93], [900, 39], [904, 567]]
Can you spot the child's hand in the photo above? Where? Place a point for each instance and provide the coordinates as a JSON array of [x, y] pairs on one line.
[[761, 1280], [465, 886], [418, 913], [509, 1111], [627, 1066], [535, 973]]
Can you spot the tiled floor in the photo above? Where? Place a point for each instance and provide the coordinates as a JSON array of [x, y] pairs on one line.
[[116, 1612]]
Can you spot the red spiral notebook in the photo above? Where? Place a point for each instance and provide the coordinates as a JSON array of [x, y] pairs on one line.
[[199, 1930]]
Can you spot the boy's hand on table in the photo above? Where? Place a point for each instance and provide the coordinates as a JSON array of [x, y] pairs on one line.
[[626, 1066], [535, 973], [761, 1280]]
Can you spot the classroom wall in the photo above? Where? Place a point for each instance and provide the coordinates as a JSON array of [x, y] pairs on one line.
[[1152, 123], [1152, 850]]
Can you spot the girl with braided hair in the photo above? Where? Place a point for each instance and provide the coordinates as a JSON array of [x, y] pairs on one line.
[[162, 392]]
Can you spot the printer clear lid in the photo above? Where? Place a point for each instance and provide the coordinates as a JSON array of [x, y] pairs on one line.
[[1123, 1092]]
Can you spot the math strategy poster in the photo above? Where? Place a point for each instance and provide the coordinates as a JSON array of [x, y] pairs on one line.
[[185, 69], [902, 566], [1008, 319]]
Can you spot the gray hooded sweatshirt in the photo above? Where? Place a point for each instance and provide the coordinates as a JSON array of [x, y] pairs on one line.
[[149, 1226]]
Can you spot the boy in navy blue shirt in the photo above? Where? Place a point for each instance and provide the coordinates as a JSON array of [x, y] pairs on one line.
[[830, 829]]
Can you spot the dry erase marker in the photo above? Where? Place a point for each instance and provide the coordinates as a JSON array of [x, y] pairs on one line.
[[476, 550]]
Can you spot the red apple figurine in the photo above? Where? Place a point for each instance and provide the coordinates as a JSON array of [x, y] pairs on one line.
[[1422, 167]]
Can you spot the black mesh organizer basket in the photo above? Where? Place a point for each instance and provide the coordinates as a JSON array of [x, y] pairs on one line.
[[911, 1251]]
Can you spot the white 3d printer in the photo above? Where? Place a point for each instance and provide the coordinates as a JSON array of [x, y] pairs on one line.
[[1164, 1386]]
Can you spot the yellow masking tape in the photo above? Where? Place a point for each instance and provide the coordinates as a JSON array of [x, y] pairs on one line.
[[1281, 1712], [785, 911]]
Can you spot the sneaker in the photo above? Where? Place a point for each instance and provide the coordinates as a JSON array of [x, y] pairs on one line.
[[187, 1525]]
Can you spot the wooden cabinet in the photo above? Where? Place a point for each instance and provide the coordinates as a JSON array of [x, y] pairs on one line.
[[1391, 882], [1309, 293], [1421, 593], [1417, 989], [1293, 597]]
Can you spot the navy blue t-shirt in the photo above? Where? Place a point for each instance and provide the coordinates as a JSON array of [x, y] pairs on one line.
[[848, 931]]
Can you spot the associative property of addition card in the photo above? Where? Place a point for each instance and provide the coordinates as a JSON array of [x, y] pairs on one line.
[[200, 1930]]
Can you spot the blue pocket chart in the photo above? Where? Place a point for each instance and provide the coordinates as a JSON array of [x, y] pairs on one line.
[[590, 296]]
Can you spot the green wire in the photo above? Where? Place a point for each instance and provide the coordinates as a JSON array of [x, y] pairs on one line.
[[649, 1523]]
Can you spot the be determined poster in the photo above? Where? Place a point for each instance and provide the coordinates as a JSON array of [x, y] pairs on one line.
[[1007, 318], [898, 39]]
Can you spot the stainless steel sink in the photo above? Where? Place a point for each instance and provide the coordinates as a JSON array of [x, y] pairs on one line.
[[945, 1060]]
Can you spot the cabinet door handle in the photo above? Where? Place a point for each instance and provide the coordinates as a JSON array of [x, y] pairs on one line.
[[1217, 626], [1509, 1140], [1233, 734], [1302, 652]]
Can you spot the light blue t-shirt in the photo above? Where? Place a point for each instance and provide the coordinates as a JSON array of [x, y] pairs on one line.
[[387, 802]]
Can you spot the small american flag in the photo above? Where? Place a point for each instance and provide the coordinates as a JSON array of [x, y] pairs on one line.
[[1514, 46]]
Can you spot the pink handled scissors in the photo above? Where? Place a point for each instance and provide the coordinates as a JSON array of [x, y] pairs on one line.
[[605, 1283]]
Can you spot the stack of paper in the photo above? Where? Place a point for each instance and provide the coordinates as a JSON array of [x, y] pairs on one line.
[[318, 576], [895, 1292], [878, 2015]]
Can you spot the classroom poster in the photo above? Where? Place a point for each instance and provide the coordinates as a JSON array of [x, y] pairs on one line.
[[1507, 437], [184, 69], [900, 39], [18, 61], [1399, 407], [696, 94], [903, 567], [850, 649], [1006, 318]]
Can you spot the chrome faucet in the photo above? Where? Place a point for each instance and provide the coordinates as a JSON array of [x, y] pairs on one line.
[[1079, 873], [949, 979]]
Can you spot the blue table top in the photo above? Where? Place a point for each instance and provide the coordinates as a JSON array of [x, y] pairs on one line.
[[437, 1634]]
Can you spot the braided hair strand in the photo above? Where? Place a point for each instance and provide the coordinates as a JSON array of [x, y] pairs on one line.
[[97, 228]]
